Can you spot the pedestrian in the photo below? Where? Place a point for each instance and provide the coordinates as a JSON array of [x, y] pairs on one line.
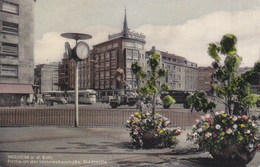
[[28, 101]]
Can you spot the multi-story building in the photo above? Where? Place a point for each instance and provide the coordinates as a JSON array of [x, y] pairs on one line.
[[182, 74], [48, 74], [205, 79], [16, 50], [119, 52], [67, 73]]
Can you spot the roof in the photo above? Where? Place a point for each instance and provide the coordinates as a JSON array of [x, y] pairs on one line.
[[15, 89]]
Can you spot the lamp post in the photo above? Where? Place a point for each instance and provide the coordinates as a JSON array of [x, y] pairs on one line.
[[78, 53]]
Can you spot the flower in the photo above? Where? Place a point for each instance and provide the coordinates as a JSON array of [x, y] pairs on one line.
[[224, 130], [234, 118], [244, 117], [140, 124], [242, 125], [208, 134], [217, 126], [229, 131]]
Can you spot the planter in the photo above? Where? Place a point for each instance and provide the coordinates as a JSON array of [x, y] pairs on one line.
[[149, 140], [234, 155]]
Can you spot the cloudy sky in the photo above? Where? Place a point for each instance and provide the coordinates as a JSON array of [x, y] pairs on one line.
[[182, 27]]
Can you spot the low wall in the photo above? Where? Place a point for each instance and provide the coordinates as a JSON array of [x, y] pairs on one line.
[[89, 118]]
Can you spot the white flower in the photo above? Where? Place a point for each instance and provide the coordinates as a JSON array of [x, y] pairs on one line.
[[234, 118], [248, 131], [199, 130], [207, 116], [193, 126], [208, 134], [195, 134], [203, 118], [250, 145], [217, 113], [222, 112], [229, 131], [253, 124], [167, 123], [235, 126], [197, 121], [217, 126]]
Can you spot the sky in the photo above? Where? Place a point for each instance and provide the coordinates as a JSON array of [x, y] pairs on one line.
[[182, 27]]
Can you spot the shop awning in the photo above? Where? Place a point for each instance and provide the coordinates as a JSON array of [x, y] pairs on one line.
[[15, 89]]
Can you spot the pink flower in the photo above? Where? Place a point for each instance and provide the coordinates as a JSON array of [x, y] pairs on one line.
[[244, 117], [215, 135], [210, 121]]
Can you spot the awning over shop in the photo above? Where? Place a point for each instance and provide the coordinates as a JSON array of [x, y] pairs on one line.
[[16, 89]]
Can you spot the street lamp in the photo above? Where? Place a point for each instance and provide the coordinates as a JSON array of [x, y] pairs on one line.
[[78, 53]]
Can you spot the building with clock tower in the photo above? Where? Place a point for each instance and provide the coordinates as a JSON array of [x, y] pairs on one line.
[[117, 53]]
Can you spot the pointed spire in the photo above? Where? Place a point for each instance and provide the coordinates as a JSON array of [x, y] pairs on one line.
[[125, 28]]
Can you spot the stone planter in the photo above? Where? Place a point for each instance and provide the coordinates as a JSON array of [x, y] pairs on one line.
[[234, 155], [149, 140]]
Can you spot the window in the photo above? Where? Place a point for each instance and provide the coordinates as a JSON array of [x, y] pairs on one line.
[[10, 28], [9, 70], [9, 49], [9, 7]]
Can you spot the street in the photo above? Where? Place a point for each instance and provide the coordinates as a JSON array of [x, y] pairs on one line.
[[108, 147]]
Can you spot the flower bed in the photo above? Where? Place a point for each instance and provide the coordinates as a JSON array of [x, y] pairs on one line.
[[147, 131], [226, 135]]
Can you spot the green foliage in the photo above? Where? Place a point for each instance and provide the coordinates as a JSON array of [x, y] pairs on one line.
[[168, 100], [230, 88], [212, 51], [138, 70], [165, 87], [232, 62], [250, 100], [162, 73], [154, 61], [228, 44], [199, 102]]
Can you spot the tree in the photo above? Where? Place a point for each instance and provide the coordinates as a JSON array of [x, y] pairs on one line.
[[230, 88], [150, 88]]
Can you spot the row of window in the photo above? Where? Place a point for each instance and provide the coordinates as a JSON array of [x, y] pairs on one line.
[[104, 48], [8, 49], [8, 70], [9, 28], [9, 7]]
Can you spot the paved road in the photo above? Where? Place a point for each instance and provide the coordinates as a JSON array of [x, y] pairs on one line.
[[78, 147]]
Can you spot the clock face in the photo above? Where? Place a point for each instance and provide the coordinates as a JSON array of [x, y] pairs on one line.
[[82, 50]]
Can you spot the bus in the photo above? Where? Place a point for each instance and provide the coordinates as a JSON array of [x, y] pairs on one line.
[[54, 97], [88, 96]]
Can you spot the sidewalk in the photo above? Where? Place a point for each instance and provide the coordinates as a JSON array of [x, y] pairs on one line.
[[64, 146]]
